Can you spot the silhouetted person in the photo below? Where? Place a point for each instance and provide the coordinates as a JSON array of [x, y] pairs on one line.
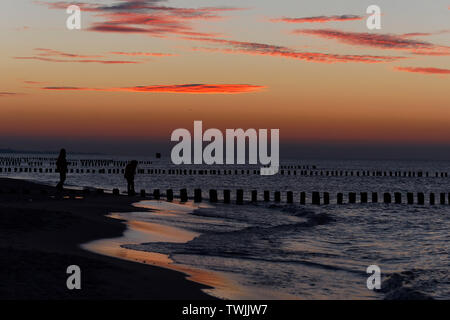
[[130, 172], [61, 166]]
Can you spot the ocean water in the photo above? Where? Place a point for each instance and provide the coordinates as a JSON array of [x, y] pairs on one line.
[[295, 251]]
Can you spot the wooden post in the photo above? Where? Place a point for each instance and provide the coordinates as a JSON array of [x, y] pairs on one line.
[[364, 197], [352, 197], [156, 194], [316, 198], [277, 196], [374, 197], [183, 195], [387, 197], [302, 198], [240, 196], [213, 195], [254, 196], [226, 196], [198, 195], [432, 199], [420, 198], [398, 197], [340, 198], [169, 195], [326, 198], [410, 198], [266, 196], [290, 197], [442, 198]]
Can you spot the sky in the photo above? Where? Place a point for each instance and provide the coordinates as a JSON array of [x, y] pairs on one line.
[[137, 70]]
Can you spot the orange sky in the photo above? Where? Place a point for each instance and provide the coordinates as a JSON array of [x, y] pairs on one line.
[[318, 85]]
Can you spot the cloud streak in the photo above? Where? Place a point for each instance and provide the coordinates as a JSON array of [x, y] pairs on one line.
[[380, 41], [50, 55], [148, 17], [253, 48], [181, 88], [319, 19], [424, 70], [77, 60], [144, 54], [7, 94]]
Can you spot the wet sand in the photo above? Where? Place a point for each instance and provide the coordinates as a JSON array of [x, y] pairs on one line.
[[40, 236], [140, 230], [137, 232]]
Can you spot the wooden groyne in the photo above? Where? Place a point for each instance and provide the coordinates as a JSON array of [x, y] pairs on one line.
[[314, 198], [47, 165], [218, 172]]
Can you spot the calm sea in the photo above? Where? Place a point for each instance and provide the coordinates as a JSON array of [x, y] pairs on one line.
[[302, 251]]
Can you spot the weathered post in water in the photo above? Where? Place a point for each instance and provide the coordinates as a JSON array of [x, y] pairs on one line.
[[169, 195], [374, 197], [352, 197], [277, 196], [302, 198], [198, 195], [290, 197], [254, 196], [240, 196], [266, 196], [432, 199], [420, 198], [364, 197], [326, 198], [213, 195], [316, 198], [183, 195], [410, 198], [226, 196], [340, 198]]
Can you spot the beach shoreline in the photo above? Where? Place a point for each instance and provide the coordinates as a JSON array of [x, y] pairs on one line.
[[41, 234]]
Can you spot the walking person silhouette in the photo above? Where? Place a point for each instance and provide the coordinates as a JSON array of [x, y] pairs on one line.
[[61, 167], [130, 172]]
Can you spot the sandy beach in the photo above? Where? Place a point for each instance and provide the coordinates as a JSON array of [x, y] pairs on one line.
[[41, 233]]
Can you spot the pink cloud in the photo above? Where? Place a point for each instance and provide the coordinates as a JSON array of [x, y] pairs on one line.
[[253, 48], [423, 70], [319, 19], [182, 88], [380, 41]]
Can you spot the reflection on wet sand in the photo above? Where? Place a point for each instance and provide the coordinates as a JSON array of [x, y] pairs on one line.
[[144, 232]]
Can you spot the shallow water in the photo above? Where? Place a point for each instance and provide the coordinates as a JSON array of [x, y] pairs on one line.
[[309, 253]]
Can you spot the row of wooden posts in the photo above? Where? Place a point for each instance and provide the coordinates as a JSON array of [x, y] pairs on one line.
[[327, 173], [316, 199]]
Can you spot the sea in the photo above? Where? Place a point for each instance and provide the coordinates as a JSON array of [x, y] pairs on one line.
[[277, 250]]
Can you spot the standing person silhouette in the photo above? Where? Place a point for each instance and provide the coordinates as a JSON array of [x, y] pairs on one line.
[[130, 172], [61, 166]]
